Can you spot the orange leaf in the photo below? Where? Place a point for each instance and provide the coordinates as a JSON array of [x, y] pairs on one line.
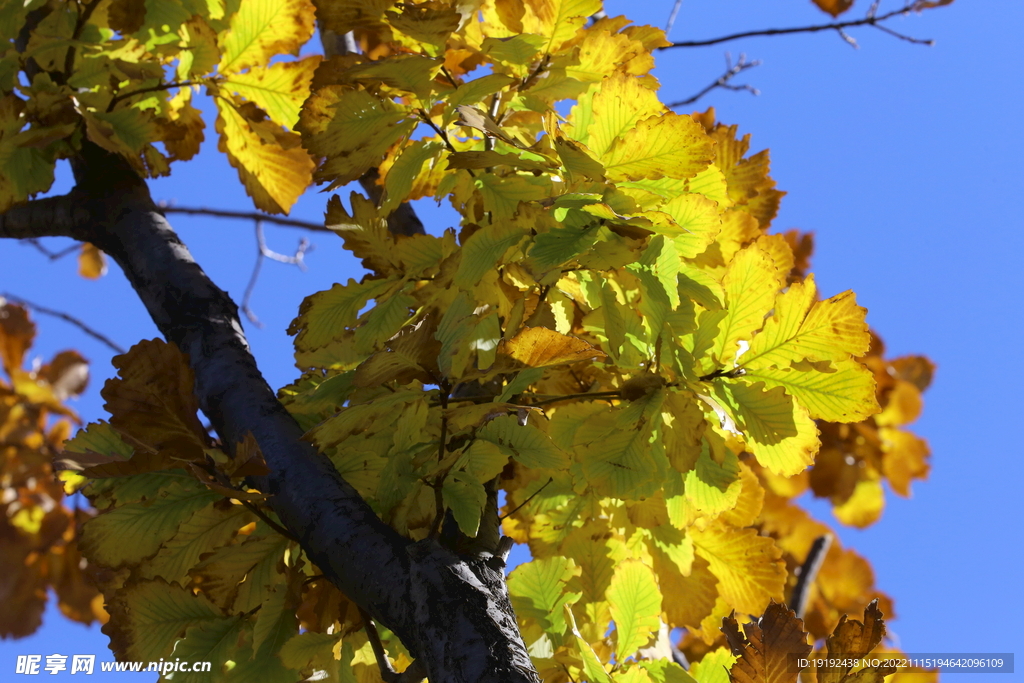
[[536, 347], [91, 262], [834, 7]]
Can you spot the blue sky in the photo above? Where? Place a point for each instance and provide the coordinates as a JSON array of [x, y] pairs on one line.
[[904, 162]]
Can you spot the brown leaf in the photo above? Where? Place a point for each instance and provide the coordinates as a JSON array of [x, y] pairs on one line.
[[772, 645], [536, 347], [151, 400], [126, 16], [473, 117], [67, 373], [248, 460], [16, 334], [853, 640], [834, 7], [92, 264]]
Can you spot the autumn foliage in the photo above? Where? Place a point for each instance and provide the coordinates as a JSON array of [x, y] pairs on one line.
[[612, 343]]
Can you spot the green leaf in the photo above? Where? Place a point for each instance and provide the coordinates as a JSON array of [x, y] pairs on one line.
[[465, 496], [592, 667], [152, 615], [635, 603], [207, 529], [616, 452], [714, 666], [502, 194], [401, 176], [261, 29], [841, 391], [714, 487], [210, 641], [559, 245], [455, 325], [778, 431], [325, 315], [133, 532], [484, 250], [527, 444], [539, 590]]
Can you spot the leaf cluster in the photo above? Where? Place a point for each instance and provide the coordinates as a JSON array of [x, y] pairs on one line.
[[610, 342]]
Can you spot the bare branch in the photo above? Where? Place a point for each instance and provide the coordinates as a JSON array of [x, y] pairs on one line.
[[731, 71], [871, 19], [672, 16], [808, 573], [262, 252], [52, 255], [245, 215], [65, 317]]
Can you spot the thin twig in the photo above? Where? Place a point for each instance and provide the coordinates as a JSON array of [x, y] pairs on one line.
[[808, 572], [154, 88], [569, 397], [262, 252], [869, 20], [52, 255], [731, 71], [387, 672], [80, 21], [672, 16], [435, 527], [531, 497], [244, 215], [65, 317]]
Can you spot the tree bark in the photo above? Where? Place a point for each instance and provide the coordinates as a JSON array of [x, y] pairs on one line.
[[451, 612]]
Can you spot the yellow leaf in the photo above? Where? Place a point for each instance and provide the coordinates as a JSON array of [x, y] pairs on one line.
[[905, 458], [751, 283], [801, 329], [842, 391], [557, 19], [536, 347], [278, 89], [864, 507], [264, 28], [272, 166], [778, 431], [697, 223], [200, 54], [670, 145], [902, 405], [604, 114], [635, 605], [351, 130], [748, 566], [92, 263]]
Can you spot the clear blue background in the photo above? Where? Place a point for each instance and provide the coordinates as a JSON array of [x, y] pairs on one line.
[[903, 160]]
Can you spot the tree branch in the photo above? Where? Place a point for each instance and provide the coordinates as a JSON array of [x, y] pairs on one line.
[[452, 613], [49, 217], [262, 252], [66, 317], [871, 19], [243, 215], [731, 71], [808, 573]]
